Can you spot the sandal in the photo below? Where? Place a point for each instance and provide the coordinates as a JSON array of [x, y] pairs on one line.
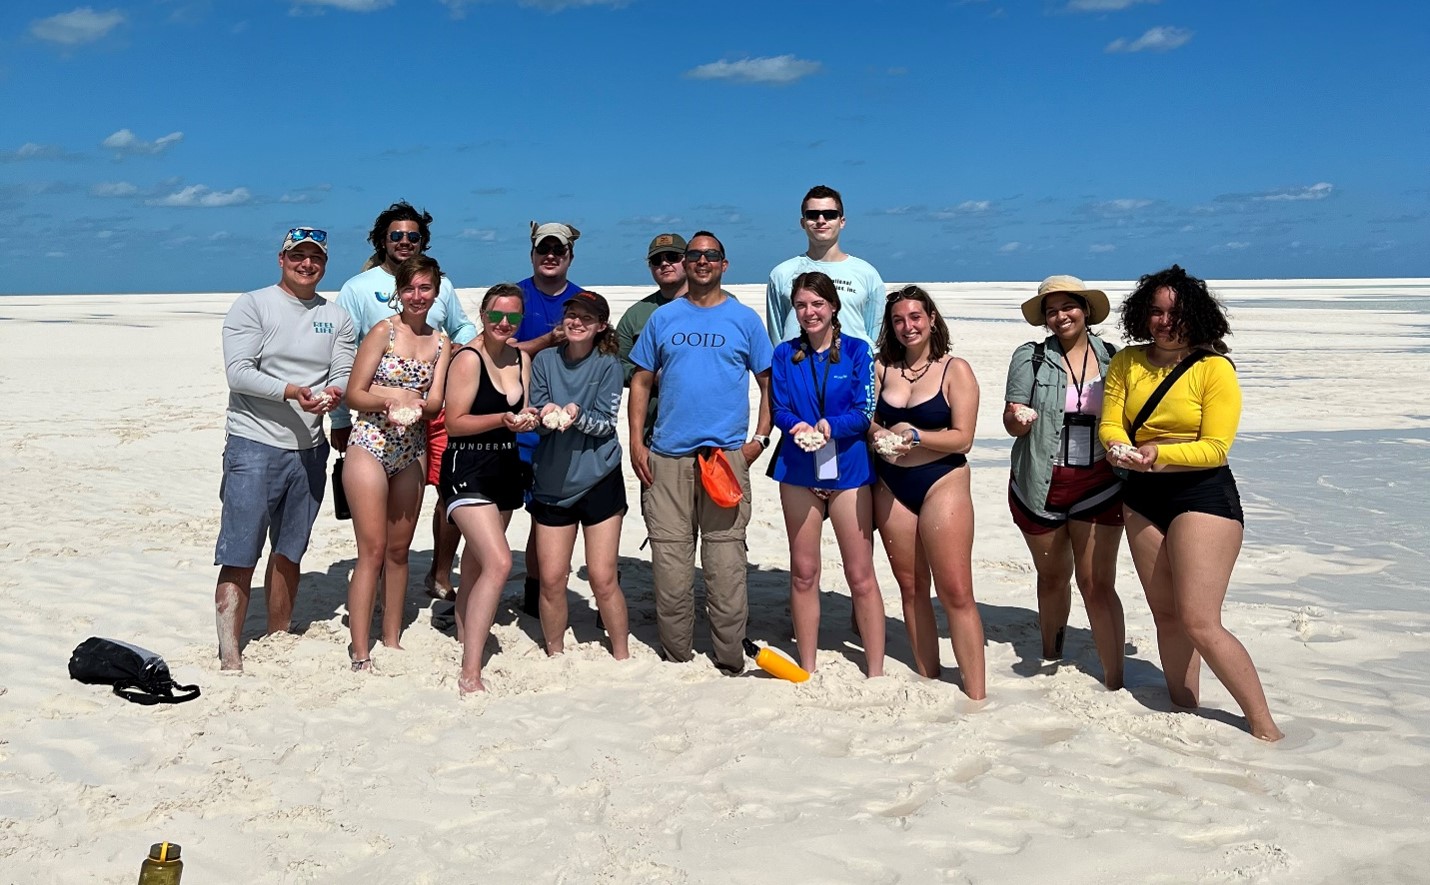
[[362, 666]]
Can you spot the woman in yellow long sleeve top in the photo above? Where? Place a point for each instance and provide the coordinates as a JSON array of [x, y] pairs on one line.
[[1183, 512]]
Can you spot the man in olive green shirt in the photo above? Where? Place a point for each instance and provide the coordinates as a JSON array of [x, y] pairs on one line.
[[666, 257]]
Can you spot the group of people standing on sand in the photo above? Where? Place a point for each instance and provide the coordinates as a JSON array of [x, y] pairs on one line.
[[876, 416]]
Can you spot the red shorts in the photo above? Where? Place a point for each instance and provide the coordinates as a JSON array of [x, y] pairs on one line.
[[436, 445], [1092, 494]]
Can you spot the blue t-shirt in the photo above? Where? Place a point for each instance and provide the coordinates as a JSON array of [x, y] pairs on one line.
[[541, 313], [848, 388], [703, 356]]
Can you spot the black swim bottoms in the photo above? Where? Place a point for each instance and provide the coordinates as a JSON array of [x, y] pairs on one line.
[[1162, 497]]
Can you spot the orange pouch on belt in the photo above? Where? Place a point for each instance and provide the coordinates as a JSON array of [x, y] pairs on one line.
[[718, 478]]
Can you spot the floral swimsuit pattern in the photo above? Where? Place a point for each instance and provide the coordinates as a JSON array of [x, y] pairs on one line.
[[396, 447]]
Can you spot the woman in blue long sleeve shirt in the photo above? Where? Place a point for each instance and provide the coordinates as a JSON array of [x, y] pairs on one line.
[[822, 392]]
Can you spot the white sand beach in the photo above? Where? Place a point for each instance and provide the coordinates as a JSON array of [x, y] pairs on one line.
[[583, 769]]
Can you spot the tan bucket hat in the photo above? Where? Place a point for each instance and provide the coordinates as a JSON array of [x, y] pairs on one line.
[[1097, 306]]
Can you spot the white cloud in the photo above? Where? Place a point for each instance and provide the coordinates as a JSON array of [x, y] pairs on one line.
[[32, 151], [779, 70], [1154, 40], [963, 210], [198, 196], [1318, 191], [82, 25], [349, 5], [1101, 248], [113, 189], [1104, 5], [126, 143], [1009, 248], [1233, 246], [459, 7], [481, 235], [1122, 206], [654, 221]]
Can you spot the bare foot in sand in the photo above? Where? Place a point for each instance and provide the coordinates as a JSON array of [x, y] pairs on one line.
[[469, 685], [439, 589]]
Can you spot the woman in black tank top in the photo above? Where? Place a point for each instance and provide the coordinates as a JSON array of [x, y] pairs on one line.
[[483, 478]]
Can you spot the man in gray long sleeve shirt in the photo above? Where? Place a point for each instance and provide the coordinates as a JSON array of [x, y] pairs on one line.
[[287, 354]]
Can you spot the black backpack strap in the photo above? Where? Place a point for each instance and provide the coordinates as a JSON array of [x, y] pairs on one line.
[[1183, 367], [1039, 357], [137, 694]]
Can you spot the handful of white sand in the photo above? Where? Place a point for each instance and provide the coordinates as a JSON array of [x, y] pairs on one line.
[[557, 419], [405, 415], [1123, 450], [324, 399], [889, 444], [810, 440], [1025, 415]]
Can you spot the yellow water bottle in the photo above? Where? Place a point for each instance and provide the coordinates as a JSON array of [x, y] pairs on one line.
[[776, 664], [162, 866]]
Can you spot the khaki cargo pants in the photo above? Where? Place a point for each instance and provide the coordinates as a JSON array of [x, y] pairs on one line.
[[677, 511]]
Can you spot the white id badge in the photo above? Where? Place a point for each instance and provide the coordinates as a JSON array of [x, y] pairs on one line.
[[1077, 440], [826, 462]]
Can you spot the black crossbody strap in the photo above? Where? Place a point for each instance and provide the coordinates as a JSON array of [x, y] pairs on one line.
[[1192, 359]]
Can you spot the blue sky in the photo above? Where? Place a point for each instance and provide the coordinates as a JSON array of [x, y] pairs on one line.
[[164, 145]]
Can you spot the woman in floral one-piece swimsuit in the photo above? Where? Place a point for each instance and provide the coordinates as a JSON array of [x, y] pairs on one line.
[[398, 380]]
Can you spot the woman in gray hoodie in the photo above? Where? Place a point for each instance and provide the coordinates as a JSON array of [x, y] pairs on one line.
[[576, 390]]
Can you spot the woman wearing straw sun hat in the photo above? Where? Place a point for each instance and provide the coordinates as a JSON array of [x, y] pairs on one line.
[[1063, 494]]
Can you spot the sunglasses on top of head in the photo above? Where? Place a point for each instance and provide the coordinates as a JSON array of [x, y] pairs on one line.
[[556, 249], [299, 234], [826, 214], [412, 236]]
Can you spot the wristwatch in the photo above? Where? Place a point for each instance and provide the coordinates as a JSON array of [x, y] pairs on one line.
[[764, 441], [915, 440]]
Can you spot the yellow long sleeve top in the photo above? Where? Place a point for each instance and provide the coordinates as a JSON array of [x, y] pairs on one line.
[[1195, 422]]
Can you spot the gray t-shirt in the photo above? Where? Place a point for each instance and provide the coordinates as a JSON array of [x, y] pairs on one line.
[[568, 463], [270, 340]]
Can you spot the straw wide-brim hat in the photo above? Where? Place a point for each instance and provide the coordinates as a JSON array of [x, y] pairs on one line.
[[1097, 306]]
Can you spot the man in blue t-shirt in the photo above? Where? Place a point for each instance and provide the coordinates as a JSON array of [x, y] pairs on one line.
[[545, 294], [703, 346]]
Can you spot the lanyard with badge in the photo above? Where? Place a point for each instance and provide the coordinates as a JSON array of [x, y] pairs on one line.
[[1078, 426], [826, 460]]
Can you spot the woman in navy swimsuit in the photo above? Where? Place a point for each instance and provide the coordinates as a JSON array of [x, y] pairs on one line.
[[927, 406]]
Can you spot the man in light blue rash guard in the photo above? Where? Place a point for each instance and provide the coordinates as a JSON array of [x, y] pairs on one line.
[[400, 232], [545, 293], [861, 289], [704, 347], [287, 354]]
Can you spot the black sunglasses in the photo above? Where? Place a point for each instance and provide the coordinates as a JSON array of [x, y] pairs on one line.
[[710, 255], [411, 235], [826, 214], [551, 249], [660, 258]]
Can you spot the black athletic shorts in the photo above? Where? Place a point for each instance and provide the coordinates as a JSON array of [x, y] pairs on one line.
[[607, 498]]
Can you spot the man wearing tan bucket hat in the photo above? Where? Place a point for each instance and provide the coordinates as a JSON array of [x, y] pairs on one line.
[[1063, 494]]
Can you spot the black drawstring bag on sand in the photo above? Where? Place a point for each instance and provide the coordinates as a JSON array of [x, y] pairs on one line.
[[138, 675]]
